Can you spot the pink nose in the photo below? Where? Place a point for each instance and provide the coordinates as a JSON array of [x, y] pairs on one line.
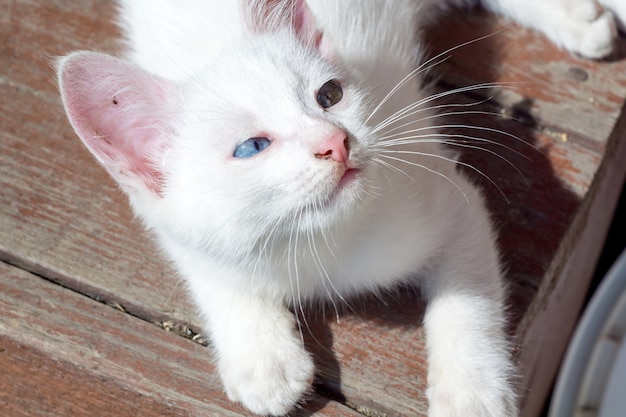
[[336, 146]]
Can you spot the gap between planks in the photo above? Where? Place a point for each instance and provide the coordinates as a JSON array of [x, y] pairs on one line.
[[61, 347]]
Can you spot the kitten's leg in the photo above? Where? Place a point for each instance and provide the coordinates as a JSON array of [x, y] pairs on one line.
[[470, 370], [580, 26], [260, 355]]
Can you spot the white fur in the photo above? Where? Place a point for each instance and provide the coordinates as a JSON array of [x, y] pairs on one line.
[[581, 26], [252, 236]]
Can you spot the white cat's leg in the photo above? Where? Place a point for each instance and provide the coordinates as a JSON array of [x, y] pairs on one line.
[[260, 355], [581, 26], [470, 370], [618, 7], [469, 365]]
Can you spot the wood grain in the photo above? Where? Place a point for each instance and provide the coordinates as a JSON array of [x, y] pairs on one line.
[[537, 79], [33, 384], [549, 322], [95, 352]]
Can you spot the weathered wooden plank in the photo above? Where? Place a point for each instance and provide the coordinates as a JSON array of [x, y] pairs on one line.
[[59, 350], [547, 326], [61, 216], [109, 344], [372, 352], [59, 208], [33, 385], [555, 88], [35, 32]]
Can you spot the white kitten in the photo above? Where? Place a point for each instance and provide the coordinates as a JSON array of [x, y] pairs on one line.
[[268, 148]]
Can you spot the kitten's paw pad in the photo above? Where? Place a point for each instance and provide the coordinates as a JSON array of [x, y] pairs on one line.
[[270, 383], [598, 42]]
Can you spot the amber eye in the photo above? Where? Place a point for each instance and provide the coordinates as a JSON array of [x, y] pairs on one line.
[[330, 94]]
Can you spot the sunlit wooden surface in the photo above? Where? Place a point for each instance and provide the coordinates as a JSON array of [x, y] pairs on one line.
[[93, 321]]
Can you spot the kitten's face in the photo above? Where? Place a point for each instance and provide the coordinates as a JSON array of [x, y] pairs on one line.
[[269, 139]]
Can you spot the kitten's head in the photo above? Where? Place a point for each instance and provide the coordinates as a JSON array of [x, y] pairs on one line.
[[268, 140]]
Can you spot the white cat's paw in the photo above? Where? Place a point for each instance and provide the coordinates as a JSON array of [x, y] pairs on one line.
[[471, 399], [587, 31], [584, 11], [268, 379], [618, 7]]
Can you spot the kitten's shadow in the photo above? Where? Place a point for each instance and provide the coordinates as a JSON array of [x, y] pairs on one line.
[[619, 53], [399, 307], [530, 205]]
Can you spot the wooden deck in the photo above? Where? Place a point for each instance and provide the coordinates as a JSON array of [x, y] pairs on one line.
[[94, 323]]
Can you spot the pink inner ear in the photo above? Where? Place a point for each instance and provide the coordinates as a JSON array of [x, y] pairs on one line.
[[305, 26], [121, 113], [270, 15]]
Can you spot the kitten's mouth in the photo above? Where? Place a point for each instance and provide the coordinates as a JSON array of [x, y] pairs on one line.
[[345, 186], [348, 176]]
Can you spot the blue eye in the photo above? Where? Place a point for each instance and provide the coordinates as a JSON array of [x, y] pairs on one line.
[[251, 147]]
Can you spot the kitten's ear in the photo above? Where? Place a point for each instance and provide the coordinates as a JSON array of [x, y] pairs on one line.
[[122, 114], [271, 15]]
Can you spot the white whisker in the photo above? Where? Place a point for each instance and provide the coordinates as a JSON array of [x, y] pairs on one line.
[[447, 138], [415, 107], [489, 151], [424, 66], [319, 265], [385, 164], [429, 170], [465, 164], [264, 252], [436, 116], [169, 297], [397, 87], [460, 126], [292, 255]]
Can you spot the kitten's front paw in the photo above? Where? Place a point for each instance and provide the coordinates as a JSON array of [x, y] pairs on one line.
[[618, 8], [476, 387], [471, 399], [587, 31], [268, 379]]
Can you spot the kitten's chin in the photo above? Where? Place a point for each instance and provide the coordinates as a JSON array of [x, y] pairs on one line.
[[347, 185], [349, 176], [344, 197], [337, 205]]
